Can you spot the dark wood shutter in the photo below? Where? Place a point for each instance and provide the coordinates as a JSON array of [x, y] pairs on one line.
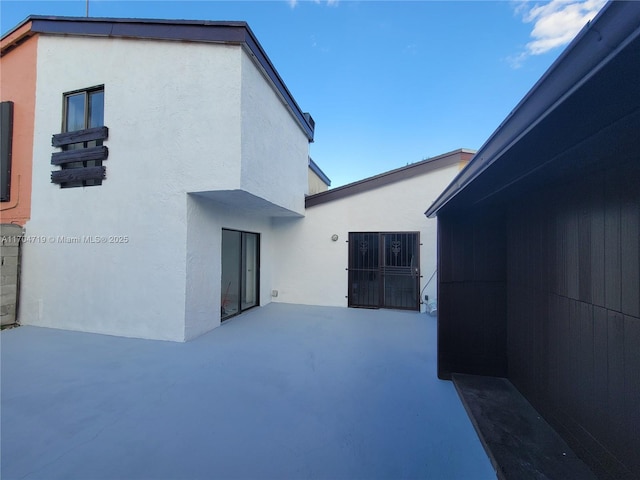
[[6, 140]]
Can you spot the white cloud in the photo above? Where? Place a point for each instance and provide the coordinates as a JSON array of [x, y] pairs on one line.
[[329, 3], [555, 23]]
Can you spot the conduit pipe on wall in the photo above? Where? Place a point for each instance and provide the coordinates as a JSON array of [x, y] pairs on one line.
[[432, 305]]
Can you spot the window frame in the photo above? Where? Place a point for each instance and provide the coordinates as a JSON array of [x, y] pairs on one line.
[[86, 125], [86, 91]]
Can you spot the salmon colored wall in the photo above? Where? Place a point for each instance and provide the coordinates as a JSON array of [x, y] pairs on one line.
[[18, 84]]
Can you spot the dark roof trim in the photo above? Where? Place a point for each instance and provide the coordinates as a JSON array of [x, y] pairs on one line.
[[392, 176], [236, 33], [316, 169], [596, 44]]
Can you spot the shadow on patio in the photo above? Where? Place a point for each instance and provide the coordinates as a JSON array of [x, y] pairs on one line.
[[283, 391]]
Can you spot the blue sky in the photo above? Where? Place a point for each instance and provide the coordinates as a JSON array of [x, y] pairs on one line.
[[388, 83]]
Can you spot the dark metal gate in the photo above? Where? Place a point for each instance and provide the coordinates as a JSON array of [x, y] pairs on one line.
[[384, 270]]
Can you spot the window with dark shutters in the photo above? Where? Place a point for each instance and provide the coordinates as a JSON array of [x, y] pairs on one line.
[[83, 132]]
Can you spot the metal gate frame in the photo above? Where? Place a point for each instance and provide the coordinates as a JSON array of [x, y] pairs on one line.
[[375, 258]]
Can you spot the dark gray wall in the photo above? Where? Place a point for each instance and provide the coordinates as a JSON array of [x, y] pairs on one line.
[[573, 290], [544, 287], [472, 327]]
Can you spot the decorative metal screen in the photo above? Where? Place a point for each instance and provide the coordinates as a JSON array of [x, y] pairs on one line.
[[384, 270]]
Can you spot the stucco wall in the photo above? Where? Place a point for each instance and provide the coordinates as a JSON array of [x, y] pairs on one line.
[[176, 125], [312, 268], [316, 184], [156, 154], [206, 219], [274, 149]]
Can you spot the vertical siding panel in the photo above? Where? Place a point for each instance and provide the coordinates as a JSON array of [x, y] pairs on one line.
[[494, 335], [481, 266], [530, 341], [457, 251], [472, 313], [519, 237], [468, 239], [579, 360], [512, 339], [499, 251], [477, 302], [585, 362], [529, 269], [467, 324], [597, 246], [630, 246], [525, 340], [535, 243], [489, 250], [509, 252], [445, 340], [552, 253], [564, 354], [632, 389], [445, 241], [554, 358], [600, 371], [515, 328], [545, 247], [584, 254], [572, 252], [561, 254], [541, 350], [543, 346], [612, 263], [615, 375], [572, 342]]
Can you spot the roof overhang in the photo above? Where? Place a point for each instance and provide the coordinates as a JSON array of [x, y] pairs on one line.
[[234, 33], [456, 157], [583, 113], [245, 203], [318, 171]]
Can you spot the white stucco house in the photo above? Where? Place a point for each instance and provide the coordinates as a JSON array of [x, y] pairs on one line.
[[366, 244], [169, 171]]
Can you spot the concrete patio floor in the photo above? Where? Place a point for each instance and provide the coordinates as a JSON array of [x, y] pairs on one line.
[[280, 392]]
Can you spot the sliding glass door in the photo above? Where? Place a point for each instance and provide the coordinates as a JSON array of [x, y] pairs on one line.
[[240, 272]]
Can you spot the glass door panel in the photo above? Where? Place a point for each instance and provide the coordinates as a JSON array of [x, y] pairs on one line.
[[240, 272], [231, 256], [250, 270]]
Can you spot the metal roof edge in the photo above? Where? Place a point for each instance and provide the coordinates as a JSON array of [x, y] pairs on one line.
[[318, 171], [387, 178], [15, 37], [233, 32], [587, 53], [306, 121], [17, 27]]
